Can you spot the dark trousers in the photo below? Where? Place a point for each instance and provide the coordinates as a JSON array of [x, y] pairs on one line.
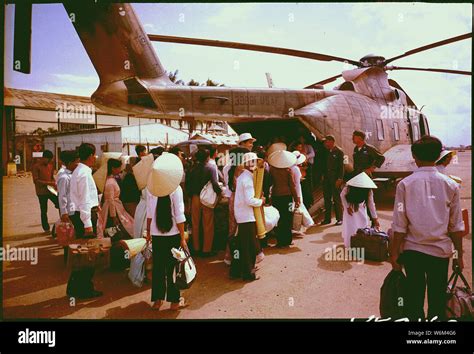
[[422, 270], [332, 194], [307, 191], [244, 251], [43, 200], [80, 281], [283, 230], [162, 284]]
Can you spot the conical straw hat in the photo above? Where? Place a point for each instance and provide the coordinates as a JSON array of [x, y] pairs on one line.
[[166, 175], [134, 246], [275, 147], [362, 180], [282, 159], [300, 158], [444, 153], [101, 174], [142, 169]]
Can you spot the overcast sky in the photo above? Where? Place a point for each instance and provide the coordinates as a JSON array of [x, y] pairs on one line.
[[60, 63]]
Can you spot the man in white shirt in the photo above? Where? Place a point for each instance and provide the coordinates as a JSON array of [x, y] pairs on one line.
[[85, 202], [70, 160], [244, 256], [235, 159], [427, 219]]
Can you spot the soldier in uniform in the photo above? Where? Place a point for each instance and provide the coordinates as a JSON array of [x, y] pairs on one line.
[[332, 174], [366, 157]]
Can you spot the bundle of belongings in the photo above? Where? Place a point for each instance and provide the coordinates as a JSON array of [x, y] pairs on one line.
[[90, 253]]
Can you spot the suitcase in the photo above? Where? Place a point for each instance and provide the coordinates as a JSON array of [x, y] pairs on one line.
[[375, 243]]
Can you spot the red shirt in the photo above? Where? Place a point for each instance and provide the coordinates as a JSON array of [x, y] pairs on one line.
[[42, 172]]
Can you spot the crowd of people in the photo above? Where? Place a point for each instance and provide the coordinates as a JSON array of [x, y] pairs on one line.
[[166, 206]]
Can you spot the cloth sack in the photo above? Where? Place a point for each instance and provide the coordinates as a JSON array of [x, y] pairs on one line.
[[460, 299], [272, 216], [208, 196], [392, 295]]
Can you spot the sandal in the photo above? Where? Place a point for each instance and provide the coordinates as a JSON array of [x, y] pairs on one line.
[[176, 306], [156, 306]]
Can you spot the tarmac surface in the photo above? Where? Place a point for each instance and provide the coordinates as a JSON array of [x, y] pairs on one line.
[[295, 283]]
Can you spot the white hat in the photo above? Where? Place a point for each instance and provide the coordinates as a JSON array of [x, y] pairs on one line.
[[282, 159], [362, 180], [300, 158], [166, 175], [276, 147], [443, 154], [249, 156], [142, 169], [101, 174], [245, 136]]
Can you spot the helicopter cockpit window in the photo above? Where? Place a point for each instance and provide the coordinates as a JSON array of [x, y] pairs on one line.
[[380, 134], [396, 131]]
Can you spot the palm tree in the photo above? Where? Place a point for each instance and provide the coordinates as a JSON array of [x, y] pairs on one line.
[[174, 77], [193, 83], [210, 82]]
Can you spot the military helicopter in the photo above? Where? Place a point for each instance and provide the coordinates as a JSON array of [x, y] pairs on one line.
[[134, 82]]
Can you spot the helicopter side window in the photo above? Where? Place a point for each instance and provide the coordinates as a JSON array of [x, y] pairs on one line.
[[416, 132], [380, 133], [396, 131], [424, 125]]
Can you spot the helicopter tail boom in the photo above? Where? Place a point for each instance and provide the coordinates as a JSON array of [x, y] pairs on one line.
[[116, 42]]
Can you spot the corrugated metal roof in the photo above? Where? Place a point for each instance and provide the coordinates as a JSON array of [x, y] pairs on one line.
[[42, 100], [217, 139]]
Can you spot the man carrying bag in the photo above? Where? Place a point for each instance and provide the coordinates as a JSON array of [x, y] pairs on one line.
[[85, 201]]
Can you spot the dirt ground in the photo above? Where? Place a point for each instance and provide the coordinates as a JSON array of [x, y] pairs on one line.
[[295, 283]]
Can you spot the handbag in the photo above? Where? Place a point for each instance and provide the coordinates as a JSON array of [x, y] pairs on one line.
[[208, 196], [459, 299], [184, 271], [64, 233]]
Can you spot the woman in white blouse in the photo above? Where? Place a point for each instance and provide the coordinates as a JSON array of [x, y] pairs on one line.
[[296, 171], [356, 197], [165, 227]]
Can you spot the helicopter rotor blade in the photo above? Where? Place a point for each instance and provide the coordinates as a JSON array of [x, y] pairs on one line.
[[459, 72], [430, 46], [323, 82], [252, 47]]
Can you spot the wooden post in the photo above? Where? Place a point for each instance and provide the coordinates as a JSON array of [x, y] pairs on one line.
[[24, 154], [56, 160]]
